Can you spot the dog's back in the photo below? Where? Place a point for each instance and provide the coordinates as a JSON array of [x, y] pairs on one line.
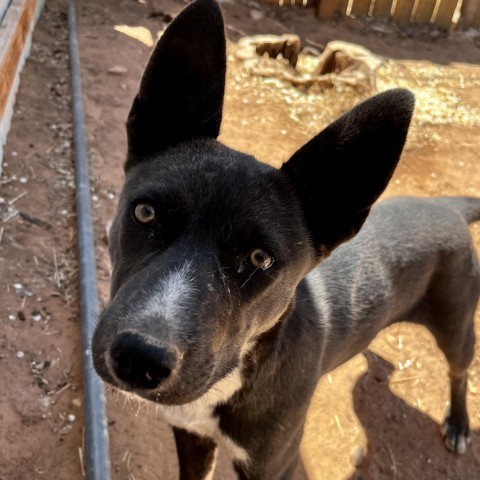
[[408, 249]]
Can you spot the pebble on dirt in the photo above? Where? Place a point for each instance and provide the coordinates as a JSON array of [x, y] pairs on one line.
[[357, 456], [117, 70]]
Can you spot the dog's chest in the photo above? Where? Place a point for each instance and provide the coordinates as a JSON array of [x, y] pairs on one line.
[[194, 417], [199, 416]]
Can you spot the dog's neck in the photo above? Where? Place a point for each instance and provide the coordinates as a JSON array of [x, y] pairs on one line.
[[286, 343]]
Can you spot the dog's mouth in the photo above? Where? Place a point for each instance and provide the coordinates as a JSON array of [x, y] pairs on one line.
[[209, 396], [175, 392], [164, 396]]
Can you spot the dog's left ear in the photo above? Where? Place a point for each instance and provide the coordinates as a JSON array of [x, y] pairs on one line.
[[340, 173], [182, 89]]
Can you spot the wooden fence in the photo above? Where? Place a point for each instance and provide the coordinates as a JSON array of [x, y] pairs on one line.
[[17, 19], [443, 13]]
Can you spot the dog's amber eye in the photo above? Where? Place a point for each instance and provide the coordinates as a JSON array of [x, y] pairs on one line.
[[145, 213], [260, 259]]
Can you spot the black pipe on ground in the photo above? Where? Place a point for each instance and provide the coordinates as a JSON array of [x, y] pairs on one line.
[[97, 459]]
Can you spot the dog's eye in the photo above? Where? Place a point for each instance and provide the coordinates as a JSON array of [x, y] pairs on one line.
[[261, 259], [144, 213]]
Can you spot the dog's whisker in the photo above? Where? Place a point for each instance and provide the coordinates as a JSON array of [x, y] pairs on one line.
[[248, 279]]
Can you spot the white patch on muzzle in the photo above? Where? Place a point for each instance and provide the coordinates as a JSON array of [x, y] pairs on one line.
[[171, 298]]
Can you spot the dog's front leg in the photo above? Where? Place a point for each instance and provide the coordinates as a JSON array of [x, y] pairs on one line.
[[271, 451], [196, 455], [259, 472]]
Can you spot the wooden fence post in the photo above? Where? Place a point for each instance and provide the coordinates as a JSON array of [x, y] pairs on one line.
[[445, 12], [361, 7], [403, 11], [471, 13], [326, 8], [424, 11], [17, 22], [381, 9]]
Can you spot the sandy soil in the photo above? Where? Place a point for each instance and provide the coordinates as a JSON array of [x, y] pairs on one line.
[[395, 422]]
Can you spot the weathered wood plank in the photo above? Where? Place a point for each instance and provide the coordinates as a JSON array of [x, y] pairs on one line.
[[403, 11], [445, 12], [361, 7], [381, 9], [424, 11], [470, 13], [326, 8], [15, 40], [14, 48], [3, 8]]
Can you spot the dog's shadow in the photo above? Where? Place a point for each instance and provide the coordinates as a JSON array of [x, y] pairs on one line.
[[404, 443]]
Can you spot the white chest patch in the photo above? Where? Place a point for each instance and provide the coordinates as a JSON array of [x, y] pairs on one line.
[[197, 416]]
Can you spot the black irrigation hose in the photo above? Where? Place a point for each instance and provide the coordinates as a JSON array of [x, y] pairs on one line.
[[97, 459]]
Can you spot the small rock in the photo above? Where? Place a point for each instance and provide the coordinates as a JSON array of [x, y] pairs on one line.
[[36, 317], [77, 402], [357, 456], [66, 429], [21, 316], [117, 70], [21, 290], [381, 28], [71, 418], [12, 318], [20, 354], [256, 15], [45, 402], [314, 52]]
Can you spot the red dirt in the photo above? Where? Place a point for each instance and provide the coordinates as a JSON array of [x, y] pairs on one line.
[[396, 424]]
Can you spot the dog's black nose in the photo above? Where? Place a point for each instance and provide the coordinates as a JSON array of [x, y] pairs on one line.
[[140, 363]]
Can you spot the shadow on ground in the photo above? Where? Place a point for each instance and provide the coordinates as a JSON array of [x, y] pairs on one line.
[[403, 442]]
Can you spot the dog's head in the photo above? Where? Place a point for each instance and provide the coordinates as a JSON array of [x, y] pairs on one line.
[[209, 244]]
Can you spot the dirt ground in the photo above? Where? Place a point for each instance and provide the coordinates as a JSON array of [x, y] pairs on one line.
[[388, 404]]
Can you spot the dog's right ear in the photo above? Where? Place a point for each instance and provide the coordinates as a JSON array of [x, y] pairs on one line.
[[182, 89]]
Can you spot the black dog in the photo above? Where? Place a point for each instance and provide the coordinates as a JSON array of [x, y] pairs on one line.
[[220, 312]]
